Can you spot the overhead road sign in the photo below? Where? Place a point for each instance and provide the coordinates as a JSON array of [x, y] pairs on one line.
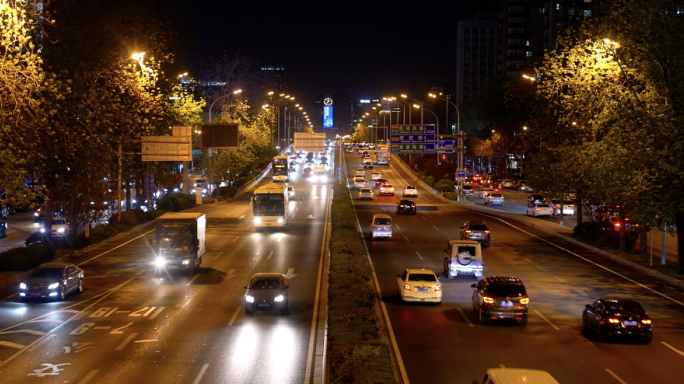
[[220, 136], [310, 142], [412, 148], [166, 148], [412, 138]]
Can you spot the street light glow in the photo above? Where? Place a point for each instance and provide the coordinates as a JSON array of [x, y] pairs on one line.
[[237, 91], [138, 56]]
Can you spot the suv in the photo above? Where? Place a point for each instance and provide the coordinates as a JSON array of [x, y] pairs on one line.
[[476, 231], [500, 298], [463, 257], [535, 199], [381, 226]]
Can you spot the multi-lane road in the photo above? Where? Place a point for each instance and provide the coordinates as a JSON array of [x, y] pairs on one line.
[[133, 325], [445, 343]]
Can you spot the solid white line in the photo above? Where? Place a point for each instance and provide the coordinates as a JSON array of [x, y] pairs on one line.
[[419, 256], [217, 256], [589, 261], [616, 376], [435, 227], [542, 268], [547, 320], [235, 315], [559, 279], [126, 341], [407, 239], [672, 348], [193, 279], [145, 341], [465, 317], [526, 259], [117, 247], [269, 256], [199, 377], [89, 376]]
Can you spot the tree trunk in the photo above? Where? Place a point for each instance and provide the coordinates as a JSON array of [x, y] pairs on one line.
[[679, 222], [643, 241], [621, 220], [579, 207]]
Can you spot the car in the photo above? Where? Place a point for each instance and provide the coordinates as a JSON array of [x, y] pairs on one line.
[[494, 199], [379, 182], [524, 186], [476, 231], [406, 206], [349, 149], [3, 228], [468, 190], [60, 227], [485, 192], [568, 207], [463, 257], [410, 191], [386, 189], [630, 226], [366, 193], [376, 176], [508, 184], [51, 280], [614, 318], [368, 165], [200, 183], [266, 291], [290, 191], [360, 172], [4, 212], [381, 226], [419, 285], [535, 199], [500, 298], [307, 172], [359, 182], [309, 163], [39, 214], [541, 209]]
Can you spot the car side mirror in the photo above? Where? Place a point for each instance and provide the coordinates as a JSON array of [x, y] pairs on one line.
[[245, 286], [472, 286]]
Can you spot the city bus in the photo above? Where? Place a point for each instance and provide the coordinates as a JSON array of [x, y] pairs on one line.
[[279, 168], [270, 206]]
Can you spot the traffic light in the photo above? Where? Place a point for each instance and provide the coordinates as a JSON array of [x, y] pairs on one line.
[[443, 157]]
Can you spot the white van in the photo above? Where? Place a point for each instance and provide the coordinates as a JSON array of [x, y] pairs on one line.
[[516, 376], [381, 226]]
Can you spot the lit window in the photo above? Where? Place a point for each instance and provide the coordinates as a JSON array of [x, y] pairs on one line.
[[528, 53], [557, 6], [587, 13]]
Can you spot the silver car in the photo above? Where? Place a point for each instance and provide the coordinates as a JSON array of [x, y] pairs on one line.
[[381, 226], [494, 199], [366, 193], [52, 281]]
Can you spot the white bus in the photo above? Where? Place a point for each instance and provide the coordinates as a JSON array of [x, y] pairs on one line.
[[269, 205]]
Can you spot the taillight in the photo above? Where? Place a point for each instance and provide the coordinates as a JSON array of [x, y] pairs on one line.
[[538, 209], [617, 224], [402, 206], [647, 321], [486, 230], [524, 300], [614, 321], [407, 287], [468, 231], [488, 300], [438, 288]]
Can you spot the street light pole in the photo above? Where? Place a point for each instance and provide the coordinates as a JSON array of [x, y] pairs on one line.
[[460, 142]]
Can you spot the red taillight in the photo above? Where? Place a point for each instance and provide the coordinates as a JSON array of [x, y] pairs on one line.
[[647, 321], [468, 231], [488, 300], [407, 287], [438, 288], [525, 301], [486, 230], [617, 224], [614, 321], [538, 209]]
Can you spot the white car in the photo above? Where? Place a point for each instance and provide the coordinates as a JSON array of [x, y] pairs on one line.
[[494, 199], [366, 193], [410, 191], [359, 182], [360, 172], [60, 228], [540, 209], [508, 184], [487, 191], [419, 285], [376, 176], [381, 226], [290, 191]]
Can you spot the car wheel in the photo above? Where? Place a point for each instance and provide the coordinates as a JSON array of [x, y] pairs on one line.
[[79, 289], [600, 335], [523, 321], [191, 270], [62, 293], [481, 317]]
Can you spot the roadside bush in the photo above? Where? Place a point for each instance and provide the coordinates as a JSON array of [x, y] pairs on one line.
[[24, 259], [445, 185], [430, 180], [224, 192], [176, 202], [128, 219], [451, 195], [600, 234]]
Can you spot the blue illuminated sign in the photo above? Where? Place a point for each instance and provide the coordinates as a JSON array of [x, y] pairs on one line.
[[327, 116]]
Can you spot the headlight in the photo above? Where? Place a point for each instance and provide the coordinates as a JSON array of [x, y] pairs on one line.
[[35, 214], [280, 221], [257, 220], [60, 230], [279, 298], [159, 262], [53, 285], [42, 230], [186, 262], [22, 286], [249, 299]]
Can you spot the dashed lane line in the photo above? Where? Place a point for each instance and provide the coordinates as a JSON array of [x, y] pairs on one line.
[[235, 315], [419, 256], [672, 348], [465, 317], [193, 279], [547, 320], [616, 376], [201, 373], [407, 239]]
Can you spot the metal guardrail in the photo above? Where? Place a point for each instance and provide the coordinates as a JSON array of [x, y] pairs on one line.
[[250, 184]]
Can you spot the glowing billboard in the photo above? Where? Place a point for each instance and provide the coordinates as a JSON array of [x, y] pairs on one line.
[[327, 116]]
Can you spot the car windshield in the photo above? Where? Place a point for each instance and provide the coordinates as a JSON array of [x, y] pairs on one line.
[[365, 190], [542, 205], [382, 221], [468, 249], [506, 290], [496, 195], [478, 227], [264, 283], [50, 273], [422, 277], [59, 221], [625, 308], [410, 187]]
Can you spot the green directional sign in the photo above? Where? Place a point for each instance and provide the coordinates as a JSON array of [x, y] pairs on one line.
[[412, 148]]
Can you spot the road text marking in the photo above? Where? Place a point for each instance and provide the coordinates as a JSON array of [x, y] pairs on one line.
[[156, 313]]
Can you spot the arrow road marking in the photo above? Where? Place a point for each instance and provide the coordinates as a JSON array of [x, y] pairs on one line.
[[290, 273]]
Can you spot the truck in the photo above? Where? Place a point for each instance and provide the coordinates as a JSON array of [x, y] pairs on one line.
[[383, 154], [463, 257], [180, 241]]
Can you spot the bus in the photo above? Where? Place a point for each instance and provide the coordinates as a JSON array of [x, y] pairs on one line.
[[280, 169], [383, 154], [270, 206]]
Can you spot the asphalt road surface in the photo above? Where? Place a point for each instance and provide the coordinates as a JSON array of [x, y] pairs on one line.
[[445, 343], [134, 325]]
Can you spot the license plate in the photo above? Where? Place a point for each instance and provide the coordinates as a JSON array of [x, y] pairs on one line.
[[506, 304], [630, 323], [476, 234], [264, 304], [422, 289]]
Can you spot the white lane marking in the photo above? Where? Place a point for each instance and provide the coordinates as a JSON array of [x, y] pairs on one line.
[[290, 273], [502, 366], [397, 225], [235, 315], [559, 279], [156, 313], [242, 217], [89, 376], [466, 318], [217, 256], [199, 376], [269, 256], [101, 327], [616, 376], [193, 279], [448, 238], [542, 268], [590, 261], [526, 259], [117, 247], [126, 341], [423, 217], [145, 341], [407, 239], [29, 331], [577, 291], [231, 273], [547, 320], [12, 345], [672, 348], [419, 256], [435, 227]]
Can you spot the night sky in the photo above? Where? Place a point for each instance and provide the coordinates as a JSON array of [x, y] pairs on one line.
[[358, 49]]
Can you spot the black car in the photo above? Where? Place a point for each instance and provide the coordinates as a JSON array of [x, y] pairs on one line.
[[379, 182], [368, 165], [500, 298], [613, 318], [266, 291], [406, 206], [52, 281], [535, 199], [476, 231], [3, 229]]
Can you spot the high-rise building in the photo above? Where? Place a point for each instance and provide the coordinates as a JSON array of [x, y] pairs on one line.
[[477, 48]]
